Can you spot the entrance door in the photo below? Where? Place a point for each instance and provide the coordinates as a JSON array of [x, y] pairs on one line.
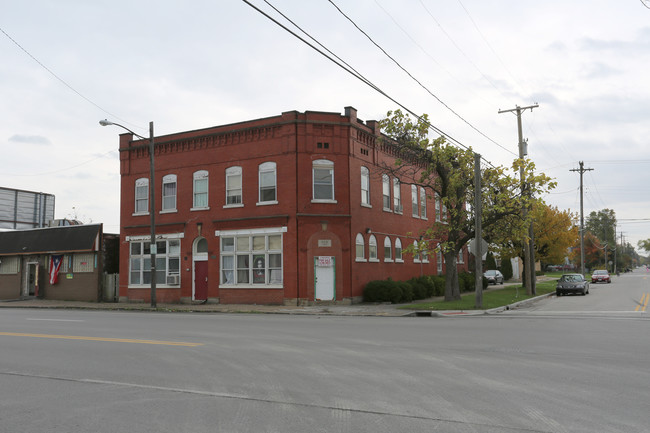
[[31, 286], [324, 278], [201, 280]]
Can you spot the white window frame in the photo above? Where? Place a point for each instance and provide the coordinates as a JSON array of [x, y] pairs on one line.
[[168, 258], [388, 250], [397, 196], [141, 196], [416, 253], [200, 177], [372, 249], [236, 192], [360, 248], [423, 203], [415, 209], [169, 193], [365, 187], [438, 208], [439, 260], [385, 191], [264, 170], [241, 249], [460, 259], [321, 165], [399, 257]]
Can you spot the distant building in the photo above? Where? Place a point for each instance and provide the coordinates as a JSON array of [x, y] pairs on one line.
[[21, 209], [289, 209], [27, 257]]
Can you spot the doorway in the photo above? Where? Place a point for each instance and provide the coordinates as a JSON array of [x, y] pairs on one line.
[[324, 278], [200, 261], [31, 280]]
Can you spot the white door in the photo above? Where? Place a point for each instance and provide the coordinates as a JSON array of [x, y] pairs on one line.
[[324, 278]]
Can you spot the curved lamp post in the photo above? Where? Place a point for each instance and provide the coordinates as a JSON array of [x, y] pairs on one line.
[[152, 206]]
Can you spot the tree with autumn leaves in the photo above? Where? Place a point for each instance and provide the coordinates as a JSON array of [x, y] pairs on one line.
[[446, 172]]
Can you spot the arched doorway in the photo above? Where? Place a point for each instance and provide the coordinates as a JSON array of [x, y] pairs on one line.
[[200, 265]]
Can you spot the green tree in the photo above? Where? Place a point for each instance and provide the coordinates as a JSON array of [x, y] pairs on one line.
[[446, 172], [602, 224], [506, 268], [490, 263]]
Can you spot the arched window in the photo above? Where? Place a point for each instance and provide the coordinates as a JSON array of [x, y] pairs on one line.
[[169, 192], [372, 248], [142, 195], [267, 183], [398, 250], [323, 180], [385, 190], [388, 250], [415, 211], [200, 190], [416, 252], [365, 186], [360, 248], [397, 196], [233, 186]]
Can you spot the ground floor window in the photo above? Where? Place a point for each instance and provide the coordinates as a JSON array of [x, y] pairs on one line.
[[251, 258], [167, 260], [9, 265]]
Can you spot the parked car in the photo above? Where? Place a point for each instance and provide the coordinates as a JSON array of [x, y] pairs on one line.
[[493, 276], [600, 276], [572, 283]]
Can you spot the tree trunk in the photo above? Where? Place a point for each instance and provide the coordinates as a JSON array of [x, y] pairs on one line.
[[452, 292]]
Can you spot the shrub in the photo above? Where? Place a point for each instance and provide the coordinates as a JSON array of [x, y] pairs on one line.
[[506, 268], [438, 284], [421, 287], [406, 293], [378, 290]]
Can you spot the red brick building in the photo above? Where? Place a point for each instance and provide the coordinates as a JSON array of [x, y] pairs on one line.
[[288, 209]]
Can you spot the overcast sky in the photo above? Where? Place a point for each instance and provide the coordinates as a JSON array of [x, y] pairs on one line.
[[67, 64]]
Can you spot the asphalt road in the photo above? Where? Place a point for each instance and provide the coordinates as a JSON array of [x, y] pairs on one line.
[[569, 364]]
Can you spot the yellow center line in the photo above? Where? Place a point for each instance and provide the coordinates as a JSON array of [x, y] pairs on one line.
[[643, 304], [114, 340]]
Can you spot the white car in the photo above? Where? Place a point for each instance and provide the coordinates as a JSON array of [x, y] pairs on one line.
[[493, 276]]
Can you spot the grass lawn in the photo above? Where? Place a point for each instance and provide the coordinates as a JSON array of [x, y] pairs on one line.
[[491, 298]]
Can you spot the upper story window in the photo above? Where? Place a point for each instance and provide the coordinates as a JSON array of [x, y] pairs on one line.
[[388, 250], [169, 192], [397, 196], [438, 208], [385, 191], [268, 183], [398, 250], [365, 186], [414, 201], [200, 188], [423, 203], [323, 180], [142, 196], [234, 186], [372, 249], [360, 248]]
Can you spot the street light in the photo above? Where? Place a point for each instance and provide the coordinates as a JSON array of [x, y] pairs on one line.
[[152, 202]]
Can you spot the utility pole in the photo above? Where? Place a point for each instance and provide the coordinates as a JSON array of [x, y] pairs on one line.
[[581, 170], [478, 229], [529, 278]]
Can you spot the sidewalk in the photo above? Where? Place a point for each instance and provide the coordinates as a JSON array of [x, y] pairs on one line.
[[379, 310]]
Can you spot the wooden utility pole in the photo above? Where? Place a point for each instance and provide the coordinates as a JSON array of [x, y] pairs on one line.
[[529, 278], [581, 170]]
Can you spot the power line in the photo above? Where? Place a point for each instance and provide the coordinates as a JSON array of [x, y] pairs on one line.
[[417, 81], [61, 80], [357, 75]]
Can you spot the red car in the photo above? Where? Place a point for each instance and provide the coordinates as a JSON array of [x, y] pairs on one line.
[[600, 276]]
